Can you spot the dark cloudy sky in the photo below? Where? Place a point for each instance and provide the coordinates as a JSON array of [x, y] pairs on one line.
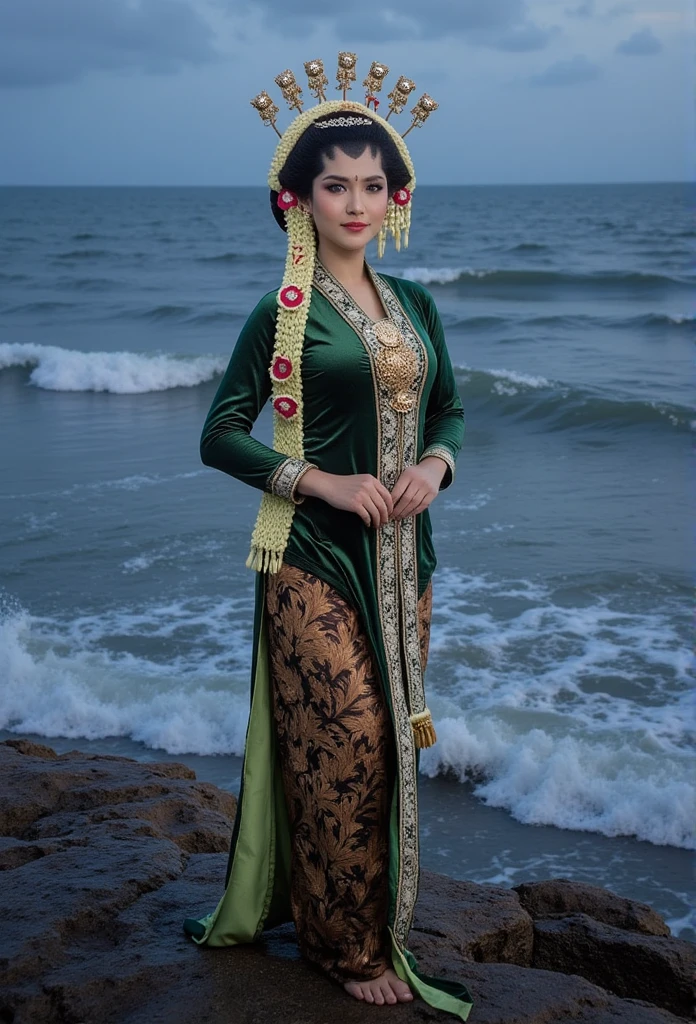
[[157, 91]]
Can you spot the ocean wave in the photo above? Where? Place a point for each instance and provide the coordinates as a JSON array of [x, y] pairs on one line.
[[125, 483], [41, 307], [470, 278], [162, 312], [562, 406], [526, 705], [82, 254], [574, 782], [224, 257], [13, 277], [89, 284], [573, 320], [660, 320], [60, 369], [572, 709], [528, 247], [66, 681]]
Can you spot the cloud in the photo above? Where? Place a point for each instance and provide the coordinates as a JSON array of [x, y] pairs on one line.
[[583, 10], [498, 24], [640, 44], [588, 9], [46, 42], [568, 72], [520, 39]]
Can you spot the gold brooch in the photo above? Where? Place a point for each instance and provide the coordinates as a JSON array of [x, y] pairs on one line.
[[396, 365]]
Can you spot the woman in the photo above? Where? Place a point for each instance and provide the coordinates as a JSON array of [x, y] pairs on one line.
[[367, 427]]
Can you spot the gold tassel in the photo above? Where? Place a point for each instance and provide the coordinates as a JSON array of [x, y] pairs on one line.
[[423, 729]]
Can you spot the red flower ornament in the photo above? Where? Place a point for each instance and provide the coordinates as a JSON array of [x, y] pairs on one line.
[[290, 297], [285, 406], [287, 199], [282, 368], [402, 197]]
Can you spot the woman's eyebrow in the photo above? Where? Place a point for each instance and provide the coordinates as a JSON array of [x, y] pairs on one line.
[[338, 177]]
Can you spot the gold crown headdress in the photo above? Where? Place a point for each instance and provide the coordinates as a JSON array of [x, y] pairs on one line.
[[398, 218]]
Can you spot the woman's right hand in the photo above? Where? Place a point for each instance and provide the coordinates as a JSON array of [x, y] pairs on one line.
[[361, 493]]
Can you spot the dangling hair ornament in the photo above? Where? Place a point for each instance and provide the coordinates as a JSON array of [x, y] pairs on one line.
[[294, 296], [346, 71]]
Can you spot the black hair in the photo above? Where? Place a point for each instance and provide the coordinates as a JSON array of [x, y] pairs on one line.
[[306, 159]]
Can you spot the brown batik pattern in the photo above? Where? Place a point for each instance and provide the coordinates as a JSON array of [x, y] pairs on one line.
[[337, 755]]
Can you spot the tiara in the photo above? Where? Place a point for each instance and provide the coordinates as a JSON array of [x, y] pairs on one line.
[[345, 75], [340, 122]]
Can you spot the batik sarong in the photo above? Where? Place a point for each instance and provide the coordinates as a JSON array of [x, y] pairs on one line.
[[336, 749]]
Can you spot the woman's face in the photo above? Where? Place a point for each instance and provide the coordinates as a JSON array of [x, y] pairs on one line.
[[349, 200]]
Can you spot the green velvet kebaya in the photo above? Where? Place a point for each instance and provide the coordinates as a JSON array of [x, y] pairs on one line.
[[351, 426]]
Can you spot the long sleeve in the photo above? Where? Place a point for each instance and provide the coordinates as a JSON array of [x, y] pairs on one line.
[[226, 441], [444, 418]]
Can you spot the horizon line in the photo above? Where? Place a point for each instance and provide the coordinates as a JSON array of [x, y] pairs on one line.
[[487, 184]]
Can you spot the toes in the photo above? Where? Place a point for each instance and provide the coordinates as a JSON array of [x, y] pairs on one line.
[[387, 990], [402, 991], [353, 989], [378, 994]]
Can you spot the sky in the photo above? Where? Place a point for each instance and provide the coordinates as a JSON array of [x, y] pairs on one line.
[[156, 92]]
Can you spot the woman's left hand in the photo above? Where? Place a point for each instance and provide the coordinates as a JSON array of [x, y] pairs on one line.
[[417, 486]]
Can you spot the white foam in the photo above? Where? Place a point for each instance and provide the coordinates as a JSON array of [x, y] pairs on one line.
[[505, 382], [475, 501], [440, 275], [189, 694], [124, 483], [570, 781], [172, 553], [525, 379], [62, 369]]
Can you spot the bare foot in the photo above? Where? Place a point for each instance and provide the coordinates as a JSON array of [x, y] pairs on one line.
[[388, 988]]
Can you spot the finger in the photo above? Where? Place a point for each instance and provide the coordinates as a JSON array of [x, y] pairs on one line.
[[399, 488], [404, 501], [383, 511], [409, 506], [385, 495], [420, 508], [374, 494], [372, 511]]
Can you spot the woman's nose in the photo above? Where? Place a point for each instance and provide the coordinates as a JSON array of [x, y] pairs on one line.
[[355, 203]]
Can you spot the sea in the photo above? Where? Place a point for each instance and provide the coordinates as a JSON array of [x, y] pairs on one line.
[[560, 670]]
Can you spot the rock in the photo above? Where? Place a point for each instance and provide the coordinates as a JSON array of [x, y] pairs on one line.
[[479, 922], [561, 896], [35, 749], [110, 788], [508, 994], [660, 969], [103, 858]]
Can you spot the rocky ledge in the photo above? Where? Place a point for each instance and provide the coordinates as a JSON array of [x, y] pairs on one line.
[[103, 857]]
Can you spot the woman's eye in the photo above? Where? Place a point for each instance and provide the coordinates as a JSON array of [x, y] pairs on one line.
[[374, 187]]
